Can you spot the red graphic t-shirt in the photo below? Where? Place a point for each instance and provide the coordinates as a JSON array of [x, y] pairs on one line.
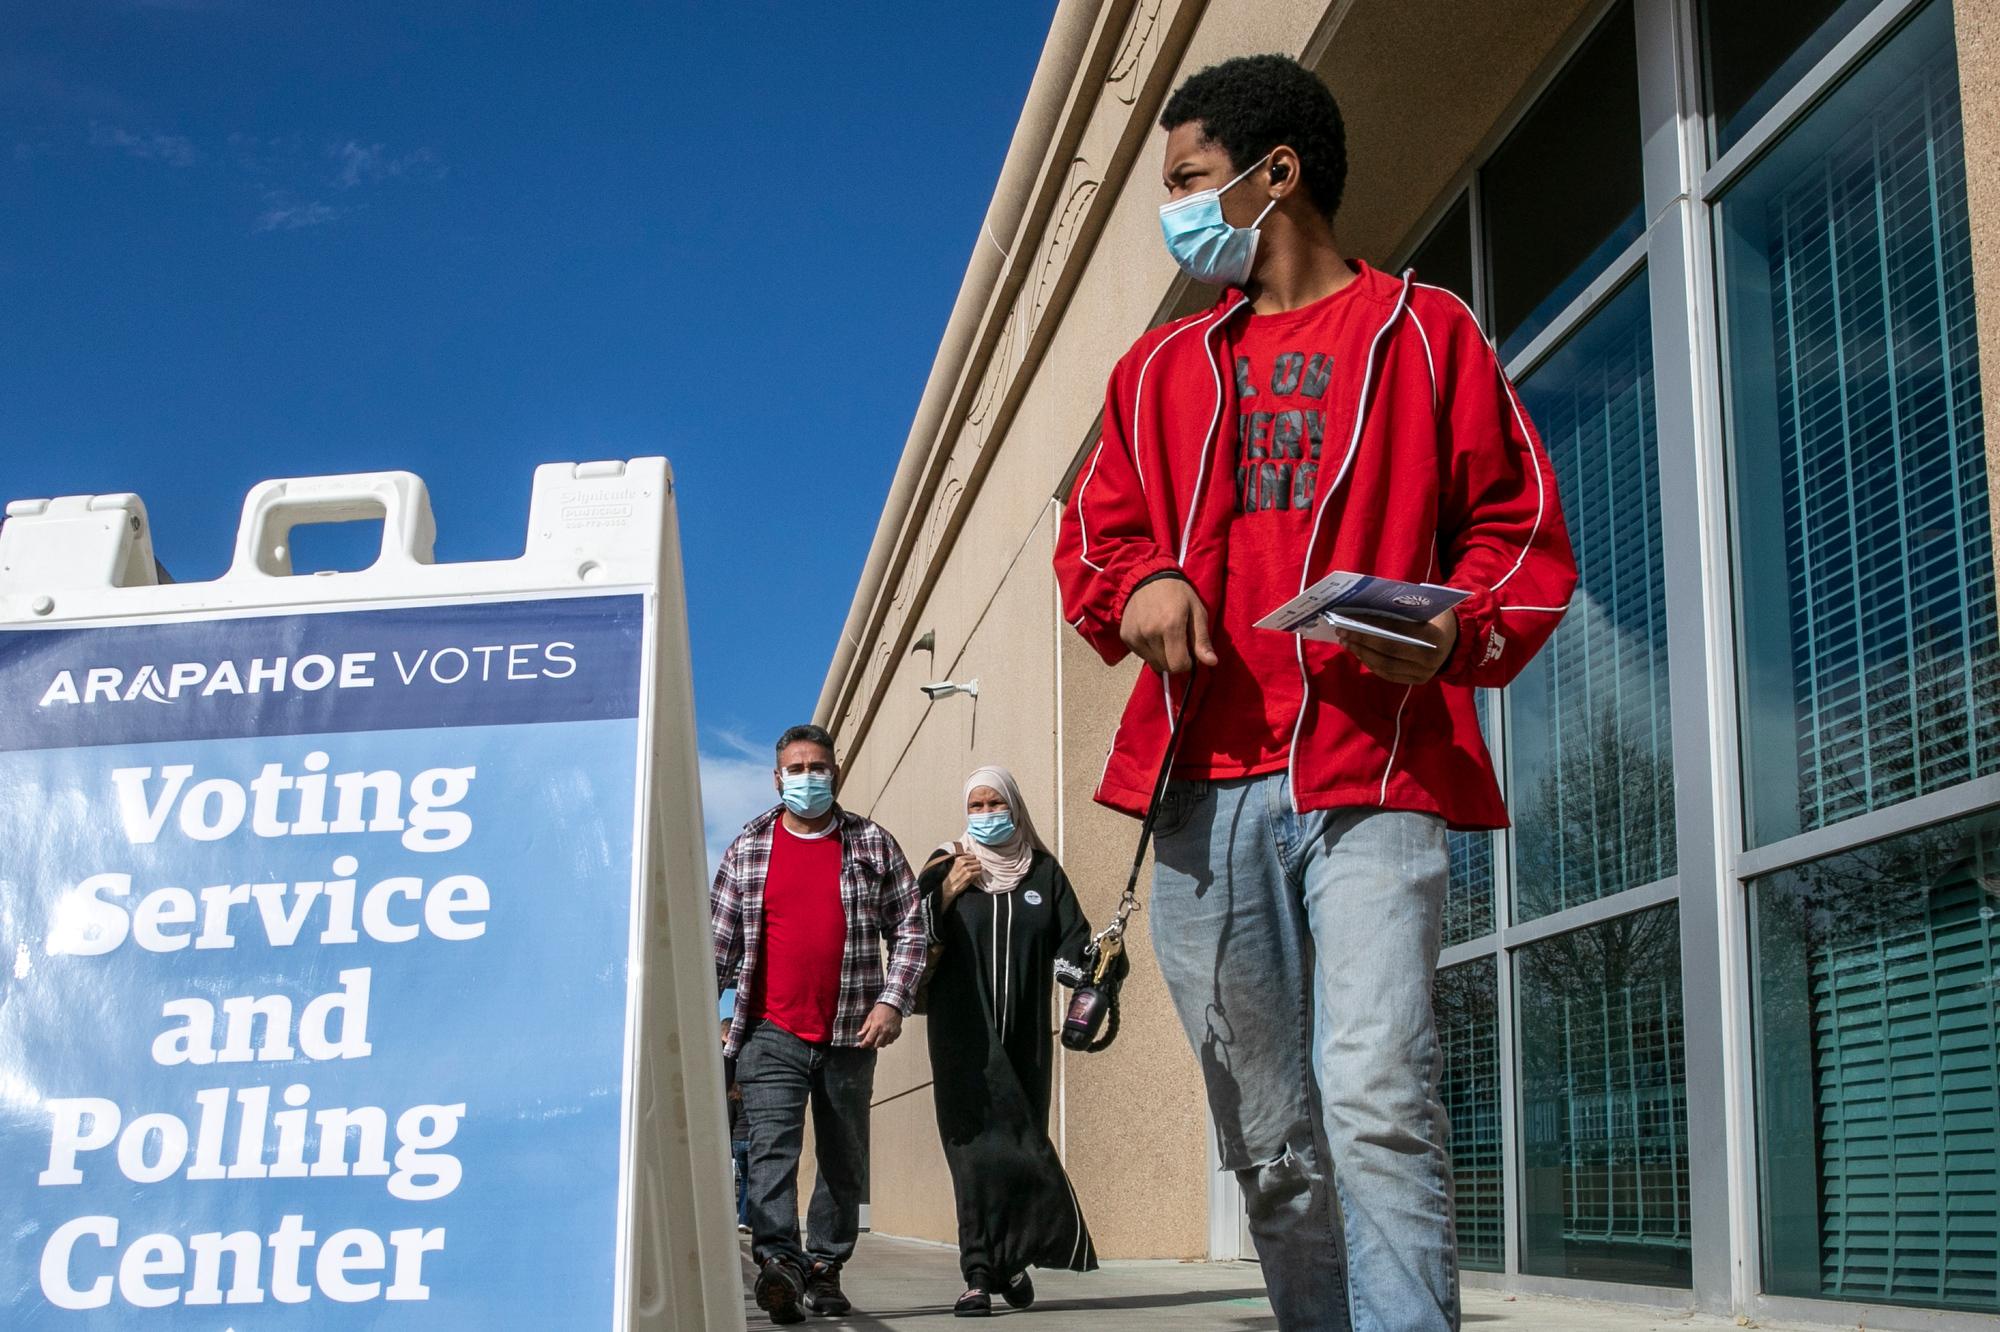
[[1284, 364], [805, 933]]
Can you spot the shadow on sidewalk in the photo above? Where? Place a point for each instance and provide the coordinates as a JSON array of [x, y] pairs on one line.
[[887, 1320], [887, 1290]]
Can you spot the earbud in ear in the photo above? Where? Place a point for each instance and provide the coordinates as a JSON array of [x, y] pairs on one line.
[[1280, 172]]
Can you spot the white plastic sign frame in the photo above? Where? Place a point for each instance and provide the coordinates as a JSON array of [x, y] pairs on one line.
[[267, 996]]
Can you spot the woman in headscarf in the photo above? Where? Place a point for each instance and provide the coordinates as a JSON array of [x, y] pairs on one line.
[[1004, 924]]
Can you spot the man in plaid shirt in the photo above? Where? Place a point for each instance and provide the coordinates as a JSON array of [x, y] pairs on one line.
[[801, 906]]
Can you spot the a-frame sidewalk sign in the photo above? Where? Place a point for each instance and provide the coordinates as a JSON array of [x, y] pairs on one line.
[[354, 949]]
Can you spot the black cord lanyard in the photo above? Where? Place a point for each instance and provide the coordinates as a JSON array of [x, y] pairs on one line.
[[1177, 731]]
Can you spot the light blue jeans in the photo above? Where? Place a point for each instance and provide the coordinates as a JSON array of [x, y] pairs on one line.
[[1299, 950]]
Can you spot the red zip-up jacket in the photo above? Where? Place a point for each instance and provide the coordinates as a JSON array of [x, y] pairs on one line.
[[1430, 472]]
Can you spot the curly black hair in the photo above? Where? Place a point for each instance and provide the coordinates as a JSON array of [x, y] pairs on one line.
[[1252, 104]]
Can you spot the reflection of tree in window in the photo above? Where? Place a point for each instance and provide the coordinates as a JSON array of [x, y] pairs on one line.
[[1604, 1110], [1591, 757], [1465, 999], [1468, 899], [1604, 814]]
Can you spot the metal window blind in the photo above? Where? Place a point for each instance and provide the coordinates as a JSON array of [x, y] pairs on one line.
[[1597, 807], [1468, 898], [1626, 1118], [1906, 1026], [1895, 647], [1469, 1035], [1605, 1104]]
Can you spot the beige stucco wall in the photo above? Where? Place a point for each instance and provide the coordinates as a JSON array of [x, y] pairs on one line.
[[1978, 24], [998, 630], [1137, 1127]]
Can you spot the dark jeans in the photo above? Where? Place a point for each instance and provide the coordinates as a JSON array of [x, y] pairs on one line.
[[740, 1150], [780, 1076]]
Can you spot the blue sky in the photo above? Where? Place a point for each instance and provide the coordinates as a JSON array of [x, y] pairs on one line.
[[243, 240]]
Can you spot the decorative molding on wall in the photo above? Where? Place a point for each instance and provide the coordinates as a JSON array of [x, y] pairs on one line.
[[1108, 118]]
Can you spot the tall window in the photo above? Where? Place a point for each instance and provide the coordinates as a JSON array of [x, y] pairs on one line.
[[1757, 52], [1596, 1088], [1469, 1034], [1592, 739], [1878, 1090], [1870, 675], [1871, 655], [1604, 1176], [1551, 227]]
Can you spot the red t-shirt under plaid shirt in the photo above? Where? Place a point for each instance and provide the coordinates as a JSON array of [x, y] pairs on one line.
[[805, 933]]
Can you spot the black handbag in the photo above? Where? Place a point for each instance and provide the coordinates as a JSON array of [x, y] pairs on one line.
[[1090, 1023]]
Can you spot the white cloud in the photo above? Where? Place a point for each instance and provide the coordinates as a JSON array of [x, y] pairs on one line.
[[291, 217], [358, 163], [285, 169], [151, 146], [361, 164], [735, 787]]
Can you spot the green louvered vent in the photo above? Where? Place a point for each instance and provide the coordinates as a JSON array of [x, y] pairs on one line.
[[1895, 650], [1906, 1061], [1469, 1032]]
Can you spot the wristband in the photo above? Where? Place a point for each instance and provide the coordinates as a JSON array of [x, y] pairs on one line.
[[1154, 578]]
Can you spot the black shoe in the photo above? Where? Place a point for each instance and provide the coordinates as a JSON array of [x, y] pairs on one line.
[[975, 1303], [779, 1287], [823, 1293], [1020, 1292]]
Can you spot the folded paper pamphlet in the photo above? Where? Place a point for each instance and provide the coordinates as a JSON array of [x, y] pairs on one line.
[[1334, 601]]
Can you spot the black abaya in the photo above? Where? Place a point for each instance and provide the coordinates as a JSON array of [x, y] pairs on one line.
[[990, 1025]]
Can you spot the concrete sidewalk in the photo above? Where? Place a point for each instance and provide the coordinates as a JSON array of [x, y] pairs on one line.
[[906, 1284]]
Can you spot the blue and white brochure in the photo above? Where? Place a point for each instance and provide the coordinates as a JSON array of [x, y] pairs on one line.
[[1330, 605]]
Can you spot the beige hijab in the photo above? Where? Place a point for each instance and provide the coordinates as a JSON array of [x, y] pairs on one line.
[[1002, 867]]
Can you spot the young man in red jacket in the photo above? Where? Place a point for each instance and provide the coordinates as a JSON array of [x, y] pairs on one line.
[[1321, 416]]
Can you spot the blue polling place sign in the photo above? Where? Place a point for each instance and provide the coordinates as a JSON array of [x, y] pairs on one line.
[[320, 1006]]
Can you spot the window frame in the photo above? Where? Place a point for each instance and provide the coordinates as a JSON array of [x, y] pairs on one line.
[[1509, 936], [1681, 263], [1736, 863]]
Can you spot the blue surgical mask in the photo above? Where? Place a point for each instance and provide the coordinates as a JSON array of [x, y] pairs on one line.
[[1206, 247], [809, 794], [992, 829]]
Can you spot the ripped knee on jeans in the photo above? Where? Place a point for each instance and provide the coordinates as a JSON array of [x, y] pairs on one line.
[[1273, 1184]]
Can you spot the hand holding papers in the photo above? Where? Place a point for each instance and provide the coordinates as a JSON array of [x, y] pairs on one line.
[[1329, 606]]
